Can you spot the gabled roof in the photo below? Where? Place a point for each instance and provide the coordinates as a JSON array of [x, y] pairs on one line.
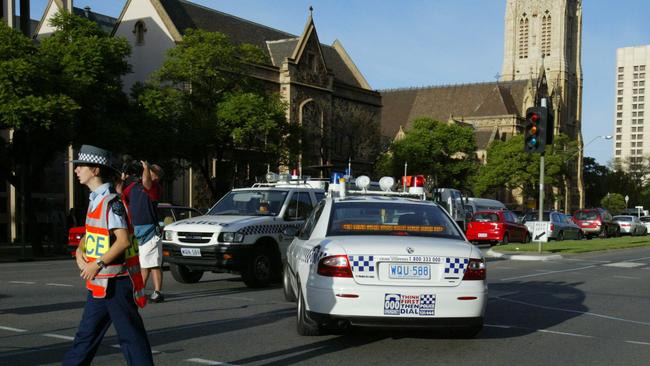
[[462, 101], [276, 43], [105, 22]]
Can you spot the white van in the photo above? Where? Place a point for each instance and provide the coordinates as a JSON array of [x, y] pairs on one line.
[[475, 204]]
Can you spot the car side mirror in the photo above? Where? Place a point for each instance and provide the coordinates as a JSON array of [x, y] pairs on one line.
[[290, 231]]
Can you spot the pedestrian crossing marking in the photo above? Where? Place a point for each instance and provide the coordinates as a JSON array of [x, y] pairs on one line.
[[624, 264]]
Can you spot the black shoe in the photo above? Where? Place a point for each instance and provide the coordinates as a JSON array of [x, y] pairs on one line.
[[156, 296]]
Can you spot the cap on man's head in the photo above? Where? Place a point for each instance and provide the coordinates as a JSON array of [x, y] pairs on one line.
[[93, 155]]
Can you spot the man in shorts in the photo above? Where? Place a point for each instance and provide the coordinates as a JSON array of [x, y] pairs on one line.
[[145, 227]]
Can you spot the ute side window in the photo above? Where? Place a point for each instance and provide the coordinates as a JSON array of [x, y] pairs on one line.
[[299, 206]]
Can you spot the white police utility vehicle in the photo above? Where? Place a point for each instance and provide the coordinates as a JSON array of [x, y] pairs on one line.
[[242, 233], [383, 259]]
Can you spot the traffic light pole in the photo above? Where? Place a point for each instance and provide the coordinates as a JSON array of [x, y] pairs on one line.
[[541, 196]]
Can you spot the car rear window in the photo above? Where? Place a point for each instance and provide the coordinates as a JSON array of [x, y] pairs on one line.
[[623, 218], [586, 215], [400, 219], [485, 217], [534, 216]]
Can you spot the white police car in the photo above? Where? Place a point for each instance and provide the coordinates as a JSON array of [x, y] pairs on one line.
[[384, 260], [242, 233]]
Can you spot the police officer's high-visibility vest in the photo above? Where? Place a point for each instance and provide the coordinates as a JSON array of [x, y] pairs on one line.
[[99, 241]]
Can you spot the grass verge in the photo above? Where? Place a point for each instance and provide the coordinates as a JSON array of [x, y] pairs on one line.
[[578, 246]]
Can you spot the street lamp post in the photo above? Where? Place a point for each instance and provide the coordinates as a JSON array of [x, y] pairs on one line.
[[580, 151]]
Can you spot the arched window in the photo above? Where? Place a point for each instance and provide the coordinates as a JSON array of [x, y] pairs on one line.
[[523, 37], [546, 34], [139, 30]]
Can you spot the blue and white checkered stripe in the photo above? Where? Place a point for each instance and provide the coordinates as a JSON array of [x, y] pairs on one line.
[[93, 159], [362, 263], [427, 299], [456, 265]]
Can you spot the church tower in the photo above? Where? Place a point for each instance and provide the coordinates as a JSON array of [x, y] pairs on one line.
[[547, 33], [546, 36]]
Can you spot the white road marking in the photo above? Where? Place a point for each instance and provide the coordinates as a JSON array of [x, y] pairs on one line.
[[23, 282], [545, 273], [624, 264], [59, 336], [636, 342], [586, 260], [575, 311], [12, 329], [627, 277], [207, 362], [58, 284], [564, 333], [498, 326]]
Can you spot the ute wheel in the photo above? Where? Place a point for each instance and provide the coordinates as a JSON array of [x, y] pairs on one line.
[[258, 271], [305, 325], [289, 295], [183, 274], [505, 240]]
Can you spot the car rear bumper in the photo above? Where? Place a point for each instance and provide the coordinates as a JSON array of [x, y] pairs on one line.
[[216, 258], [400, 322], [467, 300]]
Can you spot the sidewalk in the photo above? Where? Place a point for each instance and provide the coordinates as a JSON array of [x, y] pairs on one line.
[[528, 256], [18, 253]]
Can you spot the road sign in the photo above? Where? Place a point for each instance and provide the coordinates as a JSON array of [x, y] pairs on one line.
[[541, 229]]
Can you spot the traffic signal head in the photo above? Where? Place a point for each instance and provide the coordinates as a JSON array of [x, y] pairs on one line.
[[535, 129]]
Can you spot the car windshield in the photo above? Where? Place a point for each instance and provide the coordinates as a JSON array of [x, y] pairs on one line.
[[586, 215], [645, 219], [250, 203], [623, 218], [401, 219], [485, 217]]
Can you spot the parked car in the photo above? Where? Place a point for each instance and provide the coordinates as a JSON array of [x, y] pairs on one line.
[[496, 226], [630, 225], [646, 221], [561, 226], [596, 222], [475, 204], [167, 213]]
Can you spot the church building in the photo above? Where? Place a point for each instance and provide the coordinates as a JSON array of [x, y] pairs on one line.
[[541, 60]]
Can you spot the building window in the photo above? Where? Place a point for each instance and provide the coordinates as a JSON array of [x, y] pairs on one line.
[[523, 37], [635, 91], [621, 69], [139, 30], [620, 100], [634, 114], [619, 129], [635, 83], [640, 105], [620, 92], [641, 91], [634, 106], [636, 75], [546, 34], [619, 107], [640, 114], [639, 136], [618, 144], [642, 68], [633, 129], [619, 114], [619, 122], [642, 83], [618, 137], [641, 98], [642, 75], [640, 129], [618, 152], [620, 84], [639, 144], [620, 76], [636, 68]]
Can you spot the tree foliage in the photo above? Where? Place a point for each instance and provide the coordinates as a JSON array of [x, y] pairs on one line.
[[210, 109], [614, 202], [510, 167], [444, 152]]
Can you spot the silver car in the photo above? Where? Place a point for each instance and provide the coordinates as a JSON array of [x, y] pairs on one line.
[[630, 224], [562, 227], [646, 221]]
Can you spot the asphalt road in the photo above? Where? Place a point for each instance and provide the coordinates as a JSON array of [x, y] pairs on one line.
[[590, 309]]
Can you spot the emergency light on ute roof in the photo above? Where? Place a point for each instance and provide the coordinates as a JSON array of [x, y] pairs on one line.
[[386, 183], [362, 182]]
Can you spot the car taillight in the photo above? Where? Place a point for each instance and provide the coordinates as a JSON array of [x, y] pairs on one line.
[[475, 270], [552, 227], [625, 225], [335, 266]]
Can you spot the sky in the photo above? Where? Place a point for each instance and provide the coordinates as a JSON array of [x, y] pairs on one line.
[[414, 43]]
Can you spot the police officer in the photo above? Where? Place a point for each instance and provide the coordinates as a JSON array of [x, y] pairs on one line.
[[108, 261]]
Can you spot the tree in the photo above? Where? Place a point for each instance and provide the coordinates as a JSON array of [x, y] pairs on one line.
[[614, 202], [510, 167], [50, 94], [595, 178], [445, 152], [204, 98]]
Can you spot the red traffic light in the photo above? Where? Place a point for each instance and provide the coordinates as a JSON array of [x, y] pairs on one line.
[[534, 117]]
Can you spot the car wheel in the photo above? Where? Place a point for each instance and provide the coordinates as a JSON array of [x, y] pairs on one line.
[[305, 325], [527, 238], [580, 235], [560, 236], [505, 240], [289, 295], [183, 274], [258, 271]]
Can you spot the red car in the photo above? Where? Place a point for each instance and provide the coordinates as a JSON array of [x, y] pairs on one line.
[[496, 227], [74, 237], [596, 222]]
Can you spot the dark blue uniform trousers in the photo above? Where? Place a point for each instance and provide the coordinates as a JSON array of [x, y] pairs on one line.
[[119, 308]]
